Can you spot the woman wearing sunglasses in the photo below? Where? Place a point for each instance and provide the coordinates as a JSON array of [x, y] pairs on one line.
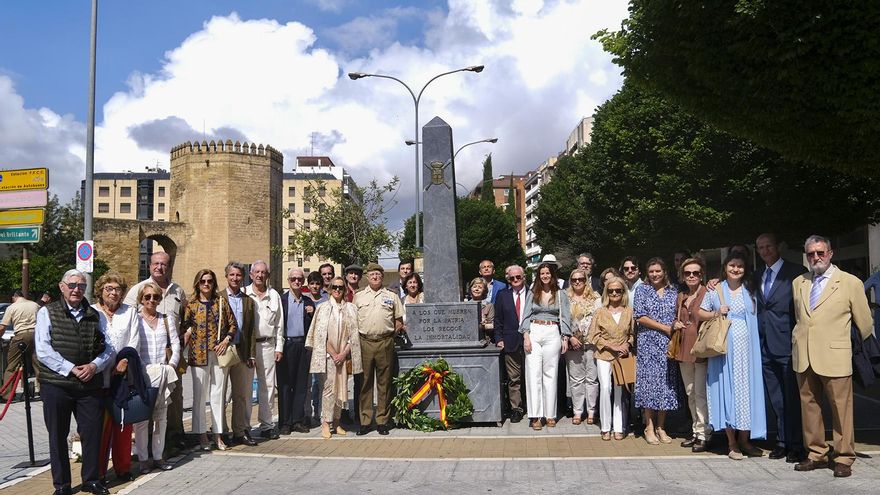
[[120, 320], [579, 360], [693, 370], [546, 329], [157, 333], [611, 331], [209, 326], [333, 339]]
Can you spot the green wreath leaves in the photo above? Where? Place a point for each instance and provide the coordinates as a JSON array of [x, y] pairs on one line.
[[458, 404]]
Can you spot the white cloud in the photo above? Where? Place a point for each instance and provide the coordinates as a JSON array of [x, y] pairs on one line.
[[329, 5], [268, 81]]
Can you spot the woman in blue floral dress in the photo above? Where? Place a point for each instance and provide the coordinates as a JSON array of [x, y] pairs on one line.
[[656, 376], [734, 381]]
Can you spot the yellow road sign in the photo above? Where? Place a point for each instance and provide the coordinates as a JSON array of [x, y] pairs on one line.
[[33, 216], [24, 179]]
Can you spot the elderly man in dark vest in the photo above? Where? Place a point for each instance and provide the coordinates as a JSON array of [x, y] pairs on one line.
[[72, 350]]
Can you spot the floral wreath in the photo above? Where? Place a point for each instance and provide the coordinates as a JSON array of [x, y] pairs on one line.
[[416, 384]]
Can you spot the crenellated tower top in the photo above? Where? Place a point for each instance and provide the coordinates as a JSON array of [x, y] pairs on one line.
[[205, 147]]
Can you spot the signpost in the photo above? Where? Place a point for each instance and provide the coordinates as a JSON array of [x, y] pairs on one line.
[[24, 179], [24, 199], [32, 216], [85, 255], [17, 235]]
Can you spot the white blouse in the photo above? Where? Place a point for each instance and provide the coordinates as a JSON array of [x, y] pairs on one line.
[[121, 330], [153, 341]]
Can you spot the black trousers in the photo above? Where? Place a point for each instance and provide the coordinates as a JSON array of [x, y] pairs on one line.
[[85, 405], [782, 390], [292, 374]]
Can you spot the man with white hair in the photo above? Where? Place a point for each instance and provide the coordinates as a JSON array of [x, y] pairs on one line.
[[72, 349], [269, 339]]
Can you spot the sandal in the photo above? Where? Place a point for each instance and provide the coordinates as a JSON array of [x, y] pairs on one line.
[[664, 438], [619, 436], [576, 420], [606, 436], [590, 420], [551, 422], [536, 424], [651, 438]]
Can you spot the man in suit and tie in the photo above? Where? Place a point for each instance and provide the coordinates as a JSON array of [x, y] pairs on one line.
[[510, 303], [775, 323], [827, 302]]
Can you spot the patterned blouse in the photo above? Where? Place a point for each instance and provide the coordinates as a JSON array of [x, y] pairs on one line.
[[202, 318]]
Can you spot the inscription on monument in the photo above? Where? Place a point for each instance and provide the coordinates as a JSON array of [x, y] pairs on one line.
[[453, 324]]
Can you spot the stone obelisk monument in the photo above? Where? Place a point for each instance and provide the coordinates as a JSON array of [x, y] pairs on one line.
[[444, 326]]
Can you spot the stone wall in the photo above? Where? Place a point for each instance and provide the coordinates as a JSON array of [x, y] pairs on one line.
[[117, 241]]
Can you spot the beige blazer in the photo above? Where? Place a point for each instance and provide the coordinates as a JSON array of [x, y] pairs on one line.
[[821, 337]]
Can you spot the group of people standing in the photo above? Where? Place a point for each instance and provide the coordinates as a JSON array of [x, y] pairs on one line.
[[789, 334]]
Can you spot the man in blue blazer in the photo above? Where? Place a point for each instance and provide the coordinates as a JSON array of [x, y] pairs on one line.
[[776, 319], [493, 286], [510, 303], [293, 370]]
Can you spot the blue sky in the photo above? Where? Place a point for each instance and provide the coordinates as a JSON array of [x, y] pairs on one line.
[[274, 72]]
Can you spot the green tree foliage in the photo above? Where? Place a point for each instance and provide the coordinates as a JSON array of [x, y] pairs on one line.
[[407, 249], [484, 231], [346, 229], [511, 200], [487, 192], [794, 76], [655, 178], [54, 254]]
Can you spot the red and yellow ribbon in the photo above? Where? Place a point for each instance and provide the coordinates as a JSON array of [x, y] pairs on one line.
[[435, 381]]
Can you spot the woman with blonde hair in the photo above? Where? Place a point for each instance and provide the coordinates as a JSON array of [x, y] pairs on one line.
[[478, 290], [546, 327], [611, 331], [333, 339], [209, 326], [579, 360], [157, 336], [120, 321]]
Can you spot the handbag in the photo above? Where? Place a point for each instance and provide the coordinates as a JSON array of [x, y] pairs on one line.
[[712, 336], [229, 358], [624, 371], [674, 346], [138, 409]]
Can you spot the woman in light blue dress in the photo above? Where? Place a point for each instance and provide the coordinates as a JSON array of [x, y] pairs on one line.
[[735, 386]]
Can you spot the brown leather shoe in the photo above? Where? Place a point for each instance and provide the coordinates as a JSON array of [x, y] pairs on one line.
[[551, 422], [811, 465], [842, 470], [536, 424]]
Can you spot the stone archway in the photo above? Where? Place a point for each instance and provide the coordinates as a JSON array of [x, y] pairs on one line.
[[117, 242]]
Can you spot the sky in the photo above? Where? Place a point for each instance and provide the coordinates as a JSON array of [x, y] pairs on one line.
[[275, 72]]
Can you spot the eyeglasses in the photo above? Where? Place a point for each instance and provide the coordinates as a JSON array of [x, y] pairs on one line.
[[816, 254], [585, 263], [615, 291], [74, 286], [108, 288], [692, 274], [515, 277], [630, 268], [337, 287], [294, 279], [206, 282], [578, 280], [152, 297]]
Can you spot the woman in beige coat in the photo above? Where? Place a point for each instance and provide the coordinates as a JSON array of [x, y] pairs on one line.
[[333, 339]]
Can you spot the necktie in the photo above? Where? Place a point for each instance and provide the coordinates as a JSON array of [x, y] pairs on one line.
[[815, 291], [517, 305], [767, 283]]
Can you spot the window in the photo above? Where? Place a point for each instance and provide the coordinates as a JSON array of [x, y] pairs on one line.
[[103, 207], [104, 192], [161, 191], [307, 208], [291, 207], [291, 224], [322, 191], [125, 207], [307, 224], [291, 191], [161, 207], [307, 259], [321, 208], [125, 192]]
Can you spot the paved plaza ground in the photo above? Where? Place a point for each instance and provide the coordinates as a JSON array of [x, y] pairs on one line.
[[482, 459]]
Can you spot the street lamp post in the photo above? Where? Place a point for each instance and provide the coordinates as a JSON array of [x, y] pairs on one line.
[[354, 76]]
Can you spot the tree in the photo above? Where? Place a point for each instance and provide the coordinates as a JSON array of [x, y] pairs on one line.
[[484, 231], [487, 192], [511, 200], [54, 254], [654, 178], [346, 229], [795, 76]]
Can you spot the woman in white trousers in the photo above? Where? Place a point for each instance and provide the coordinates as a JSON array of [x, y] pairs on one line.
[[546, 329], [579, 360]]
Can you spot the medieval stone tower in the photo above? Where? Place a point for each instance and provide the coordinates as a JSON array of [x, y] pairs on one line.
[[227, 197]]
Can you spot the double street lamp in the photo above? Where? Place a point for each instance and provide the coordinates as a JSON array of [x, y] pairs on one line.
[[410, 142], [354, 76]]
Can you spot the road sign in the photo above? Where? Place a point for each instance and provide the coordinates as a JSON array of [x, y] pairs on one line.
[[14, 235], [24, 179], [33, 216], [24, 199], [85, 254]]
